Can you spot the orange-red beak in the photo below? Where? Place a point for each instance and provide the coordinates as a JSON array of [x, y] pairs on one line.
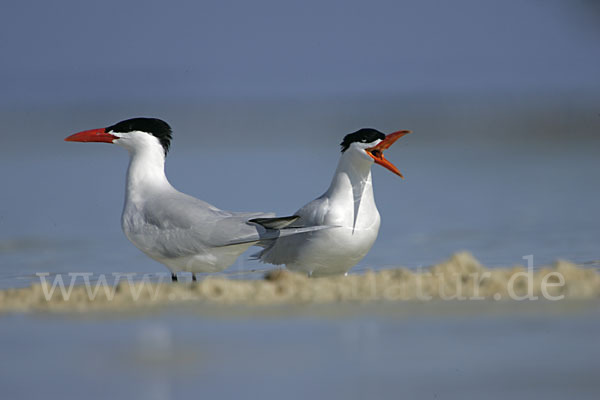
[[92, 135], [377, 151]]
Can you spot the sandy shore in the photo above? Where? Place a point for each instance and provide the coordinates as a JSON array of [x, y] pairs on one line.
[[461, 278]]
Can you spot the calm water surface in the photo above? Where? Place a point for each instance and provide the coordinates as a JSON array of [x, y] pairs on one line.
[[61, 205], [61, 212]]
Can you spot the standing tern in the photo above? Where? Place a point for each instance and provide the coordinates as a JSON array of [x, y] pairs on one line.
[[178, 230], [348, 205]]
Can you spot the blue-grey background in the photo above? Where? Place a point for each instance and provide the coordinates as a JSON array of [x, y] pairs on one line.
[[86, 53], [503, 98]]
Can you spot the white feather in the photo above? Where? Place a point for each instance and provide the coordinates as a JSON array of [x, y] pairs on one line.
[[348, 205]]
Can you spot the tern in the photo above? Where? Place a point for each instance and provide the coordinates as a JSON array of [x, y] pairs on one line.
[[173, 228], [348, 206]]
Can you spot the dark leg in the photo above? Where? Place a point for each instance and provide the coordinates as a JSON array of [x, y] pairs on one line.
[[173, 277], [193, 277]]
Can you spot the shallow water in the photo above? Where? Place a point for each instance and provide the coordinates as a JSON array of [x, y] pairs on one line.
[[502, 198], [63, 210], [402, 352]]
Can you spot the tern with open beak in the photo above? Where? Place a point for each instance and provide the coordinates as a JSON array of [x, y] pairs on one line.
[[348, 205], [180, 231]]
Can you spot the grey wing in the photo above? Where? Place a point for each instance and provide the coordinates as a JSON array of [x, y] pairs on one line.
[[178, 225], [313, 213], [182, 225]]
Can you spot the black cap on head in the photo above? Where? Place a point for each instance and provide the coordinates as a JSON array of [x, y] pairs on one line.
[[156, 127], [365, 135]]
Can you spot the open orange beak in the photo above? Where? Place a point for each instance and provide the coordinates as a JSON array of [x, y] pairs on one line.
[[92, 135], [376, 152]]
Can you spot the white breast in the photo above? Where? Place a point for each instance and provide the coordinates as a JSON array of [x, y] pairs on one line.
[[350, 206]]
